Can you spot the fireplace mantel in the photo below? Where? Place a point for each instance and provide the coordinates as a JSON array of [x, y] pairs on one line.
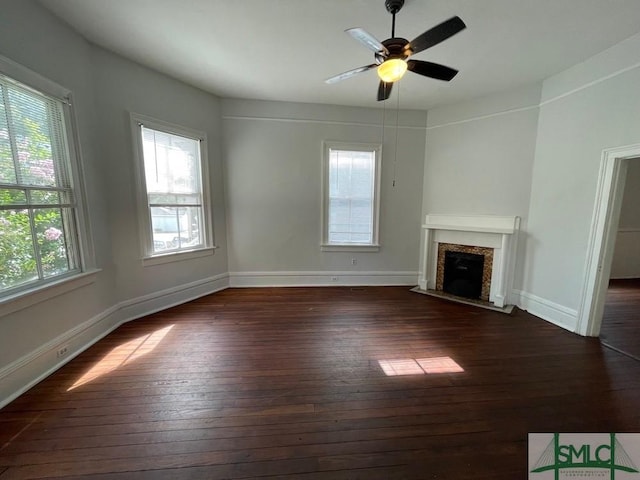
[[473, 223], [490, 231]]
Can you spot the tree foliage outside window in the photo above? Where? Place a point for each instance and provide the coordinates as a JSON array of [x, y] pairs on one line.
[[38, 239]]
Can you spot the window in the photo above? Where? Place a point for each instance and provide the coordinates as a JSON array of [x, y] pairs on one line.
[[40, 218], [351, 196], [173, 182]]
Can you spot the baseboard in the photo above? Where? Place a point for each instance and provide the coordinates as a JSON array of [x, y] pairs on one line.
[[22, 374], [625, 277], [555, 313], [321, 279]]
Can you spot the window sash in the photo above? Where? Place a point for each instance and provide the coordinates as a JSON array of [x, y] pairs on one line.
[[345, 225], [36, 188], [187, 212]]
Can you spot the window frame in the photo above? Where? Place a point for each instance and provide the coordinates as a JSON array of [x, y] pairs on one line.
[[22, 296], [376, 148], [145, 226]]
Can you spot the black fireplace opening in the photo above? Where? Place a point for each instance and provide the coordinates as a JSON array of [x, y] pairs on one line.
[[463, 274]]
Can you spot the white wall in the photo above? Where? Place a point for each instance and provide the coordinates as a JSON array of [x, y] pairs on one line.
[[626, 257], [32, 37], [123, 86], [105, 88], [590, 107], [479, 157], [273, 162]]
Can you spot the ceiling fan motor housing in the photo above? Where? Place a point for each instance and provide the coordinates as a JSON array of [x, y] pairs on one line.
[[397, 47], [393, 6]]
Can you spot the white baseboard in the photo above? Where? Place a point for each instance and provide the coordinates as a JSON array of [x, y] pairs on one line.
[[321, 279], [625, 277], [555, 313], [22, 374]]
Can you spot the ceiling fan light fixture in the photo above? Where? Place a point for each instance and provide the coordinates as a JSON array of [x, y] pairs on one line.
[[392, 70]]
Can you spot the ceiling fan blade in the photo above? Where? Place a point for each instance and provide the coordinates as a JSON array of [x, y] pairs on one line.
[[437, 34], [350, 73], [384, 90], [368, 40], [432, 70]]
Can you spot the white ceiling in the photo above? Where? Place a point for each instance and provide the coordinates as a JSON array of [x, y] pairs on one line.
[[284, 49]]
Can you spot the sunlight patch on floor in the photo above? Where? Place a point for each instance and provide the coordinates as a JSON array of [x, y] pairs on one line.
[[122, 355], [419, 366]]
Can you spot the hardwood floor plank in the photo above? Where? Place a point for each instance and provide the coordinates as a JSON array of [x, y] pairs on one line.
[[621, 317], [303, 383]]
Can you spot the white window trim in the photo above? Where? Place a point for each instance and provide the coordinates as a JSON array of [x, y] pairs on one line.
[[150, 258], [31, 294], [374, 246]]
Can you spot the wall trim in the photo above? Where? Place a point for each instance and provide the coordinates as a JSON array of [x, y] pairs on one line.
[[552, 312], [593, 83], [323, 122], [542, 103], [19, 376], [484, 117], [321, 279]]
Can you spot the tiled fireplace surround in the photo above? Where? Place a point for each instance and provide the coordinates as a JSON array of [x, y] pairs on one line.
[[493, 236]]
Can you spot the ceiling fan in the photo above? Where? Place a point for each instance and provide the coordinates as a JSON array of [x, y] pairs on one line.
[[392, 55]]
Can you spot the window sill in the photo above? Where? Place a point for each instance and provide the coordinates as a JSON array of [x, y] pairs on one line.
[[350, 248], [40, 293], [177, 256]]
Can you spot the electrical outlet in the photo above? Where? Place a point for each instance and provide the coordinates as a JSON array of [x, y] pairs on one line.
[[334, 279], [353, 261], [62, 351]]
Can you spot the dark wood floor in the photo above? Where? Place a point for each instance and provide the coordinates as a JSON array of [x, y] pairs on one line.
[[621, 319], [289, 383]]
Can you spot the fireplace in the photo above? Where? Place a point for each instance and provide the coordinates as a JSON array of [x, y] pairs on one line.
[[462, 254], [462, 263], [463, 274]]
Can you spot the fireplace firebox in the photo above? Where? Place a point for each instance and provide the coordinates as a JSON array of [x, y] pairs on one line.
[[463, 274]]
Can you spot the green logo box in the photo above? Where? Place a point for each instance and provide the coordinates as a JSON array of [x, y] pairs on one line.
[[587, 456]]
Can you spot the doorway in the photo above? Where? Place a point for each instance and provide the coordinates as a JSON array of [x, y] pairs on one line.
[[620, 327], [603, 236]]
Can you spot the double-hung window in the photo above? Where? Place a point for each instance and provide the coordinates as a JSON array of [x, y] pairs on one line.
[[173, 180], [351, 184], [39, 194]]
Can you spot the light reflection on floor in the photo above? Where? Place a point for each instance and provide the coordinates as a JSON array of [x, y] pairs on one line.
[[122, 355], [419, 366]]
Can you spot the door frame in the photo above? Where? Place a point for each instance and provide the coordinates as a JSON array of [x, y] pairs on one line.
[[602, 237]]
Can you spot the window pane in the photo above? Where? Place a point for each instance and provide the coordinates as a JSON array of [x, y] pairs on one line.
[[351, 193], [9, 196], [44, 197], [51, 240], [30, 121], [176, 228], [171, 162], [17, 257]]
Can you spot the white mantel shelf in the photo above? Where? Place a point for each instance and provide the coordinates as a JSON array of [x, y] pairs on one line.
[[473, 223], [492, 231], [435, 226]]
